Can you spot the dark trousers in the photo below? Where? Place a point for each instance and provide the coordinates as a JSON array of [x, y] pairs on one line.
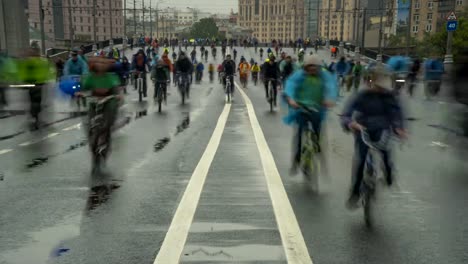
[[302, 120], [3, 99], [360, 155], [35, 96], [231, 77], [412, 80], [275, 87]]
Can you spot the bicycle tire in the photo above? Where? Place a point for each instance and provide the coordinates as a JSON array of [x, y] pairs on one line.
[[160, 97], [271, 95]]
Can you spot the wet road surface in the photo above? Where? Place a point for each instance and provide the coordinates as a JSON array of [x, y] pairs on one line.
[[162, 181]]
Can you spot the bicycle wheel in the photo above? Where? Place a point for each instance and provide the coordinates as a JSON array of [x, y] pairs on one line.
[[368, 190], [271, 96], [160, 97], [140, 89]]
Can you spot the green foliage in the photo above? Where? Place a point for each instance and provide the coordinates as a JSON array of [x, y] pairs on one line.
[[205, 28]]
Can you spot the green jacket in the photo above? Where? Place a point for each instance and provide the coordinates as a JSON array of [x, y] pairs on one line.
[[35, 70]]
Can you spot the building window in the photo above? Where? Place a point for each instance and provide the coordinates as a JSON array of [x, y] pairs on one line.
[[257, 6], [429, 16], [428, 27], [430, 4], [89, 28], [415, 29], [459, 2], [81, 19], [82, 29], [417, 5]]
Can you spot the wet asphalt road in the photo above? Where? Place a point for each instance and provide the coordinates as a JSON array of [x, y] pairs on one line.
[[53, 211]]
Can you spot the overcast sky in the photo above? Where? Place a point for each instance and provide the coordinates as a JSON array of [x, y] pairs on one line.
[[212, 6]]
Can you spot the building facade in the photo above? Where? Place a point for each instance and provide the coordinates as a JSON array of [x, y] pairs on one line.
[[331, 15], [14, 35], [73, 20], [273, 19], [430, 16]]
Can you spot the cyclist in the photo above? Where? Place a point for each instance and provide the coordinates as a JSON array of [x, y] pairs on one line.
[[379, 110], [268, 50], [160, 73], [220, 70], [229, 69], [261, 52], [140, 65], [193, 55], [357, 75], [211, 70], [341, 68], [334, 51], [206, 55], [255, 71], [300, 58], [174, 56], [310, 87], [213, 51], [433, 70], [287, 68], [270, 72], [183, 68], [235, 54], [223, 51], [200, 68], [244, 69], [37, 71], [101, 83], [414, 70], [75, 65]]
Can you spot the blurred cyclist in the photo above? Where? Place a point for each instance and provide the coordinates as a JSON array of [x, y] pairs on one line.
[[375, 110], [311, 87]]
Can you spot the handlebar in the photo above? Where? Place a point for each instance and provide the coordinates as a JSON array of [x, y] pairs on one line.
[[382, 144]]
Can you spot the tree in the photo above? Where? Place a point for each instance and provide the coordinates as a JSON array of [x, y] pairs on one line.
[[205, 28]]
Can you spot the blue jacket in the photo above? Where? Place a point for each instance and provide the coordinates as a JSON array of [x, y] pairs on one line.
[[78, 67], [376, 111], [295, 81], [433, 70], [200, 67], [342, 67]]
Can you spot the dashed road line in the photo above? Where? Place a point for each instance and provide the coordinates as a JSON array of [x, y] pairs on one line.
[[76, 126], [4, 151], [291, 235], [174, 242], [28, 143]]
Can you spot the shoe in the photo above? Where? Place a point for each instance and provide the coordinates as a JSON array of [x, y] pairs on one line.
[[353, 202]]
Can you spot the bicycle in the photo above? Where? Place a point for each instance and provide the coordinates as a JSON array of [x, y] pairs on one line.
[[310, 145], [255, 78], [431, 88], [183, 87], [160, 93], [140, 85], [99, 130], [243, 79], [228, 89], [271, 93], [368, 186]]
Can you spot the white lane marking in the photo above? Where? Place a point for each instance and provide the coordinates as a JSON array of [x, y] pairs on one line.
[[28, 143], [76, 126], [291, 235], [174, 242], [24, 144], [4, 151]]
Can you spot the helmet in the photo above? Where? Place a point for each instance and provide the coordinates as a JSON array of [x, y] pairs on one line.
[[312, 60], [267, 60], [301, 50], [380, 76]]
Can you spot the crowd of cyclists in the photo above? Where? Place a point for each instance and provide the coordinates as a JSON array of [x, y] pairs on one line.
[[307, 82]]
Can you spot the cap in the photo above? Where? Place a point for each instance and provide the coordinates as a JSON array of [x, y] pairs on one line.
[[312, 60]]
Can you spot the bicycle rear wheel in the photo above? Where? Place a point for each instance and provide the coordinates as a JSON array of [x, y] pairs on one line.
[[160, 96]]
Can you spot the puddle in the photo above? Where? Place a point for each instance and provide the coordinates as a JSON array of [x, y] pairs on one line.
[[45, 244], [141, 114], [252, 252], [183, 126], [37, 162], [162, 143], [99, 195]]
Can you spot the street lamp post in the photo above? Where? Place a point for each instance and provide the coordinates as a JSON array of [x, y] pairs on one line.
[[41, 21], [379, 56], [341, 46], [329, 20]]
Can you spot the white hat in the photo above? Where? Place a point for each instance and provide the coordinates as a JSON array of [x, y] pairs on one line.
[[312, 60]]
